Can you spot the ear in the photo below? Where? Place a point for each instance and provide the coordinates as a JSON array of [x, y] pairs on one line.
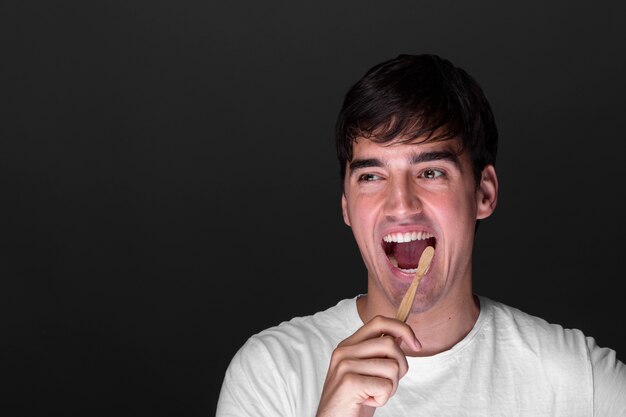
[[344, 209], [487, 193]]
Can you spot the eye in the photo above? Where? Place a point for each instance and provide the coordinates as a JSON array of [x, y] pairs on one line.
[[431, 174], [369, 177]]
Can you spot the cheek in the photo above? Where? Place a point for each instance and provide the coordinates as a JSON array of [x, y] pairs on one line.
[[448, 205], [363, 209], [363, 221], [454, 212], [361, 227]]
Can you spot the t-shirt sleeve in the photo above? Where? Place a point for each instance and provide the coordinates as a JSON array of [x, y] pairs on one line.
[[609, 381], [252, 385]]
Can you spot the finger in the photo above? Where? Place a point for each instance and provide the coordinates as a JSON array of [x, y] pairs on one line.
[[387, 326], [366, 411], [381, 368], [375, 391], [409, 350], [377, 348], [351, 392], [359, 389]]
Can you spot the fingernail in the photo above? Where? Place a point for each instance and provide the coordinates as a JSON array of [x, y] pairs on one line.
[[418, 345]]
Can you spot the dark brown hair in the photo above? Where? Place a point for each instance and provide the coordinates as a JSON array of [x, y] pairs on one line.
[[418, 96]]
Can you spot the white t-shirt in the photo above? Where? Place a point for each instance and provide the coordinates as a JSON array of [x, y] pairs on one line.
[[510, 364]]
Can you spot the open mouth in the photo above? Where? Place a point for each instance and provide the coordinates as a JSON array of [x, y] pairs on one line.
[[404, 249]]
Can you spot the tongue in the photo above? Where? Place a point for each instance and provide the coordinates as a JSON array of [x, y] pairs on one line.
[[408, 254]]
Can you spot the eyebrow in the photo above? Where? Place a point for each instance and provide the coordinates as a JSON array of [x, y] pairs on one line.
[[365, 163], [414, 159], [435, 156]]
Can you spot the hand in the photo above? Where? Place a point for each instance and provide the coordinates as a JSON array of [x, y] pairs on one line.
[[365, 368]]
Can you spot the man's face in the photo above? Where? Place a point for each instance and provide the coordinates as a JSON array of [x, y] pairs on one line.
[[398, 199]]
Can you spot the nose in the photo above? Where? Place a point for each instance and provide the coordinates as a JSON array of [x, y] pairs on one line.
[[402, 199]]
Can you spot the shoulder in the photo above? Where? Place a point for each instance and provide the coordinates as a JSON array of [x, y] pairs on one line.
[[557, 351], [535, 331], [304, 335], [265, 375], [325, 323]]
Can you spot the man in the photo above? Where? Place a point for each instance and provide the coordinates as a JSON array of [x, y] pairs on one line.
[[417, 142]]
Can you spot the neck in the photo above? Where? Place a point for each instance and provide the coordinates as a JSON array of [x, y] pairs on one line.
[[443, 326], [440, 327]]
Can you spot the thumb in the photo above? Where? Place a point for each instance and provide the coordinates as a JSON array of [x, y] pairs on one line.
[[412, 348]]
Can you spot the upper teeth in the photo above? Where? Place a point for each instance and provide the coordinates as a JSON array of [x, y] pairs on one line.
[[407, 237]]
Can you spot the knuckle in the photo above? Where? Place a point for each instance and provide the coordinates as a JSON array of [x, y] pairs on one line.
[[339, 353], [378, 320], [344, 366], [336, 358], [349, 379]]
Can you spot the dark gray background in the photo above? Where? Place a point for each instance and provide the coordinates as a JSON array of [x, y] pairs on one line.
[[169, 185]]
